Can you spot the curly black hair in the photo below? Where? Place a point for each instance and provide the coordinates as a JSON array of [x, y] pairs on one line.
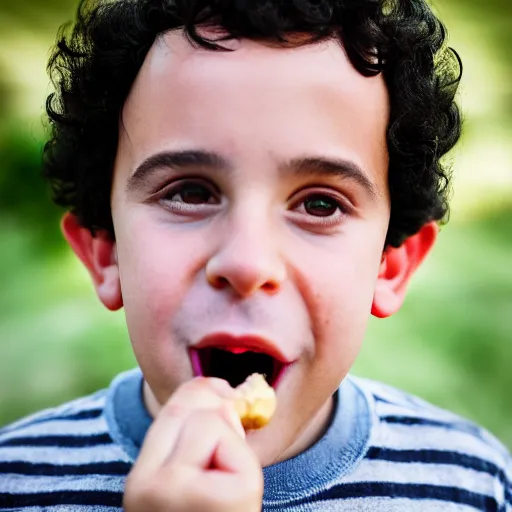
[[96, 60]]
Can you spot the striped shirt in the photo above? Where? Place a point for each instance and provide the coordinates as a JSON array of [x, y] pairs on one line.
[[384, 451]]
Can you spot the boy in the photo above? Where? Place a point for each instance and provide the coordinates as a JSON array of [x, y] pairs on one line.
[[311, 133]]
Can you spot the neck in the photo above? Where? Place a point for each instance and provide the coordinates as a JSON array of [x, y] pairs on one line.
[[150, 401], [312, 433], [307, 437]]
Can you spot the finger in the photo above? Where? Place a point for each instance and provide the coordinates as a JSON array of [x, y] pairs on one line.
[[220, 462], [230, 414], [207, 393], [161, 438], [235, 455], [240, 476], [221, 386], [208, 442]]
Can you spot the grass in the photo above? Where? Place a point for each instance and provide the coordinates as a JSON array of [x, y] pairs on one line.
[[450, 343]]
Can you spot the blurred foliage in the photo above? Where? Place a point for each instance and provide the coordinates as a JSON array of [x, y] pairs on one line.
[[23, 192], [450, 344]]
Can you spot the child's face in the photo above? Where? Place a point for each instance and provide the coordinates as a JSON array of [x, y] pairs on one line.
[[244, 236]]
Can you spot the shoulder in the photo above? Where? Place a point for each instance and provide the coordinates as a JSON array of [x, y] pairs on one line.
[[434, 447], [413, 415], [66, 448], [84, 408]]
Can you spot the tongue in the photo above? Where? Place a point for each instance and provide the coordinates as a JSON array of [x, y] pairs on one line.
[[236, 350]]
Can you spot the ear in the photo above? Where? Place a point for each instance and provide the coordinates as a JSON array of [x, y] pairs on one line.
[[99, 255], [397, 267]]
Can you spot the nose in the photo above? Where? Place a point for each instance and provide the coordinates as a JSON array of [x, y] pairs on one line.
[[247, 261]]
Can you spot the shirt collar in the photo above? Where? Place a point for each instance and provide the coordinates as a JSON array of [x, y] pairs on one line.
[[334, 455]]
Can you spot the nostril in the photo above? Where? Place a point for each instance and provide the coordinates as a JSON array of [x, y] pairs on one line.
[[221, 283], [270, 286], [218, 282]]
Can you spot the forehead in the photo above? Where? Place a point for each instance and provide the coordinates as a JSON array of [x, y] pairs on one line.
[[256, 97]]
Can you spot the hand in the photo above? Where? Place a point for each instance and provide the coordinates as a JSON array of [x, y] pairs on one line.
[[195, 458]]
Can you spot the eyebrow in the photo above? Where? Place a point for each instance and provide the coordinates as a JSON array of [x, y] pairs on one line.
[[187, 159], [342, 168], [192, 159]]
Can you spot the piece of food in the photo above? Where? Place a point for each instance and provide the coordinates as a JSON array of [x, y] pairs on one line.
[[255, 402]]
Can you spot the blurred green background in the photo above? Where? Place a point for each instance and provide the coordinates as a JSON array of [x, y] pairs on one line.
[[452, 341]]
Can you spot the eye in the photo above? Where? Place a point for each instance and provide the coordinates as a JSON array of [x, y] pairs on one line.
[[191, 198], [320, 205], [191, 193], [316, 209]]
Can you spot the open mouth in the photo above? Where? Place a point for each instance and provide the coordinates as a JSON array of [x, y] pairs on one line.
[[235, 364]]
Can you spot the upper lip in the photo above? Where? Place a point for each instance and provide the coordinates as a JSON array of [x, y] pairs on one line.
[[250, 342]]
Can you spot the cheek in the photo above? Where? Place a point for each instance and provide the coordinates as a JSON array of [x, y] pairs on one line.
[[342, 310], [154, 269], [340, 297]]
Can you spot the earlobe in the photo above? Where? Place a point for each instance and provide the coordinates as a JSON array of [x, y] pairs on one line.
[[397, 267], [99, 256]]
